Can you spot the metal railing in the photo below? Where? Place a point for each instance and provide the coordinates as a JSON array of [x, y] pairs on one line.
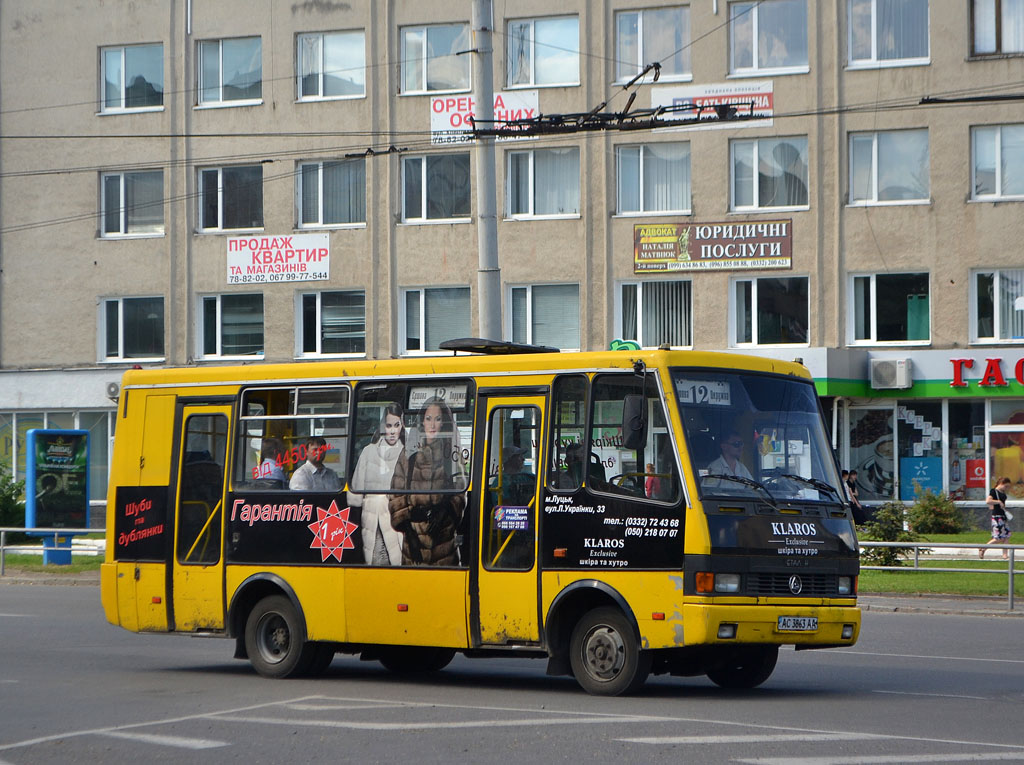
[[45, 532], [924, 548]]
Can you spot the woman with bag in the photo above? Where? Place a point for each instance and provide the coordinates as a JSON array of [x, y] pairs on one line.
[[382, 545], [1000, 515]]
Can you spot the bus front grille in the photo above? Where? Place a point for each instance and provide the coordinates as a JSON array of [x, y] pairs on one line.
[[808, 585]]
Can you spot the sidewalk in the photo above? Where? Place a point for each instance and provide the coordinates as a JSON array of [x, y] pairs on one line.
[[939, 604]]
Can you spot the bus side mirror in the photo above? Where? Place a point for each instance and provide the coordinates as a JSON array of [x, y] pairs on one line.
[[634, 421]]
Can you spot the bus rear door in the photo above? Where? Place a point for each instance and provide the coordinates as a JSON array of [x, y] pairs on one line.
[[506, 589]]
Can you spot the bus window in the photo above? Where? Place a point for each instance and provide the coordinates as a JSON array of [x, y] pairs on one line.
[[568, 429], [202, 486], [281, 427], [509, 525]]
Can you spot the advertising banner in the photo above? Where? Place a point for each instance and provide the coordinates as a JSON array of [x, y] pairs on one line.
[[662, 247], [267, 259], [752, 100], [57, 479], [450, 116]]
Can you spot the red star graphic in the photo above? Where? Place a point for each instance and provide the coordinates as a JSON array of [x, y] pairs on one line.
[[332, 532]]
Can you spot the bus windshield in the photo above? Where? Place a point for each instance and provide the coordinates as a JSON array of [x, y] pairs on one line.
[[758, 436]]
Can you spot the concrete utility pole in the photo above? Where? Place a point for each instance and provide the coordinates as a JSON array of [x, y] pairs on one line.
[[488, 272]]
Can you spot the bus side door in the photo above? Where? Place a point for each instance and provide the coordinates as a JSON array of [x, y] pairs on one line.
[[505, 598], [197, 591]]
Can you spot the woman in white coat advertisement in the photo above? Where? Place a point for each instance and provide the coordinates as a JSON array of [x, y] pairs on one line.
[[382, 545]]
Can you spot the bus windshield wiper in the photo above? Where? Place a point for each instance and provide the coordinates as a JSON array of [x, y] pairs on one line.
[[813, 482], [746, 482]]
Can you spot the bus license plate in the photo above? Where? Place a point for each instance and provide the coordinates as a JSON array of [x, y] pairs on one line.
[[798, 623]]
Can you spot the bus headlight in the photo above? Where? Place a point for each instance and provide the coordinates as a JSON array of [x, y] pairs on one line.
[[727, 582], [846, 585]]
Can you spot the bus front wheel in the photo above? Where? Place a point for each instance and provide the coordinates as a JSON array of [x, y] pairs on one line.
[[748, 668], [274, 639], [605, 654]]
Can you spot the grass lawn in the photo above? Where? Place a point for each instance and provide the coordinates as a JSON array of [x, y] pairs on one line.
[[913, 581], [33, 564]]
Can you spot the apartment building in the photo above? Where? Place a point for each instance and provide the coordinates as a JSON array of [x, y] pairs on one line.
[[187, 182]]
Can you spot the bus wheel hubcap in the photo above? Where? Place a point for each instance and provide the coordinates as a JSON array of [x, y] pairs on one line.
[[604, 652], [274, 638]]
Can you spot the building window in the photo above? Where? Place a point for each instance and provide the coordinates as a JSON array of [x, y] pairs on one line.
[[998, 161], [133, 203], [544, 52], [998, 300], [768, 37], [432, 315], [231, 325], [543, 182], [889, 167], [331, 65], [133, 77], [546, 314], [231, 198], [435, 187], [653, 34], [332, 193], [888, 32], [998, 27], [655, 313], [431, 60], [332, 323], [889, 308], [230, 71], [770, 311], [654, 177], [781, 179], [132, 328]]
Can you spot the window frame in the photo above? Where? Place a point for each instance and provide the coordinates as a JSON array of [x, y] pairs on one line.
[[123, 232], [423, 86], [758, 71], [403, 319], [201, 327], [686, 76], [998, 195], [874, 62], [200, 198], [993, 339], [528, 319], [756, 174], [423, 220], [322, 50], [299, 199], [533, 53], [532, 187], [123, 109], [997, 25], [300, 333], [221, 102], [733, 312], [874, 201], [104, 327], [639, 284], [872, 321], [641, 164]]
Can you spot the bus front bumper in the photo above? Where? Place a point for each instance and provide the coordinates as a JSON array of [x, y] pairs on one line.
[[803, 626]]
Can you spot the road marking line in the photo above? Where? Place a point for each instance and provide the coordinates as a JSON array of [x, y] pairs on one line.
[[762, 739], [15, 616], [886, 758], [936, 695], [341, 707], [177, 741], [429, 724]]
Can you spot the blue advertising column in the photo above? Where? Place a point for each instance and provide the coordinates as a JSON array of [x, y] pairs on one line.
[[57, 488]]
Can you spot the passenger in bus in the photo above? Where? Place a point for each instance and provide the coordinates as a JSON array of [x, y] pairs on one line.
[[427, 519], [270, 474], [516, 486], [382, 545], [313, 474], [730, 462]]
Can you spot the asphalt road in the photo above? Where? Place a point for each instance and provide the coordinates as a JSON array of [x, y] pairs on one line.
[[917, 688]]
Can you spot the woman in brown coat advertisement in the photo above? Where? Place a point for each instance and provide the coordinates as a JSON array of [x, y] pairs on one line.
[[428, 520]]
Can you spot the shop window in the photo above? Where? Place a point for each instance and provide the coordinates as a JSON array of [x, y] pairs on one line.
[[653, 34], [543, 182], [546, 314], [230, 71], [654, 313], [331, 65], [768, 37], [433, 58], [968, 478], [998, 160], [432, 315], [889, 308], [332, 323], [332, 193], [1006, 445], [919, 434], [132, 77], [872, 452], [231, 198], [769, 311], [997, 27], [889, 167], [653, 178], [132, 204], [435, 187], [543, 52], [998, 305], [888, 32], [768, 173], [231, 325]]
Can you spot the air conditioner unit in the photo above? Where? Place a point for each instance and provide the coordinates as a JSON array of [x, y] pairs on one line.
[[891, 373]]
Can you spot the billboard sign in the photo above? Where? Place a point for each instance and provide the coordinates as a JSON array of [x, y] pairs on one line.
[[57, 479]]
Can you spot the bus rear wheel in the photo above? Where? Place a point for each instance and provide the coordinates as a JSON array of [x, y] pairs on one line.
[[747, 668], [605, 654], [275, 639]]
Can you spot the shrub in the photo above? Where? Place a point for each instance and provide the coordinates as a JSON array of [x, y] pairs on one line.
[[12, 505], [887, 526], [934, 513]]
